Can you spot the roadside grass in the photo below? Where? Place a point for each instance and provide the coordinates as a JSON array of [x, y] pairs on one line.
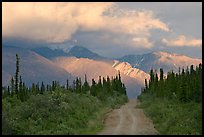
[[56, 113], [171, 117]]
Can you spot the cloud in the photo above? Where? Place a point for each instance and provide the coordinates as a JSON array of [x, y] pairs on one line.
[[142, 42], [182, 41], [57, 22]]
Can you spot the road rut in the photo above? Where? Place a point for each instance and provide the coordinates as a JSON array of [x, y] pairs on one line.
[[128, 120]]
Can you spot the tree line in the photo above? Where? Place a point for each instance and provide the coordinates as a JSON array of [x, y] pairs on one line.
[[101, 89], [186, 85]]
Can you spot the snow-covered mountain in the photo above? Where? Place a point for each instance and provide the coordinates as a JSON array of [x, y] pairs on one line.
[[33, 67], [95, 68], [160, 59], [127, 69]]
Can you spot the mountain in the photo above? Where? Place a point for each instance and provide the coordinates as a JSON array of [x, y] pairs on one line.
[[95, 68], [82, 52], [159, 59], [49, 53], [33, 67], [127, 69], [76, 51]]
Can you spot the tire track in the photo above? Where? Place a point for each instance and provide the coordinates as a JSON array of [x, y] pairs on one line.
[[128, 120]]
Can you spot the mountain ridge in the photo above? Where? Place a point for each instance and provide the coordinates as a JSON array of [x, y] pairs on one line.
[[159, 59], [33, 67]]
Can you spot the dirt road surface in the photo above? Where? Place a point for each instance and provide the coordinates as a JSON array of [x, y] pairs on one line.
[[128, 120]]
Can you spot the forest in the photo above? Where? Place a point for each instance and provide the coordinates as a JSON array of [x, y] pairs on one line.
[[59, 109], [174, 103]]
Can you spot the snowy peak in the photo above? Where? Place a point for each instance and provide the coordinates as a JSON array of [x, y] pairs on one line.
[[159, 59], [127, 69]]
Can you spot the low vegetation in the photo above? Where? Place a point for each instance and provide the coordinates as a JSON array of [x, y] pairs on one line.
[[174, 104], [59, 109]]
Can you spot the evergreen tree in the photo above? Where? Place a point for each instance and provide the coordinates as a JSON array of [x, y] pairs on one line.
[[8, 91], [20, 85], [185, 86], [93, 88], [119, 76], [99, 83], [37, 88], [86, 86], [42, 89], [109, 88], [20, 92], [151, 76], [191, 69], [146, 85], [78, 85], [24, 92], [74, 85], [67, 84], [124, 89], [47, 88], [12, 86], [161, 74], [17, 72], [33, 89], [53, 85]]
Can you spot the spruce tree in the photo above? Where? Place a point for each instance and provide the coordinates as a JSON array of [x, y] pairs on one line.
[[24, 92], [86, 86], [119, 76], [146, 85], [17, 73], [20, 85], [99, 83], [67, 84], [74, 86], [53, 85], [20, 92], [109, 88], [93, 88], [78, 85], [151, 76], [33, 89], [42, 89], [12, 86], [8, 91], [124, 89], [161, 74]]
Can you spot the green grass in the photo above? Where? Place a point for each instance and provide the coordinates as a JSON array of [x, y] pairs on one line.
[[59, 113], [171, 117]]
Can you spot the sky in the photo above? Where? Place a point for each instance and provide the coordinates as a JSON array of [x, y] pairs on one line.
[[107, 28]]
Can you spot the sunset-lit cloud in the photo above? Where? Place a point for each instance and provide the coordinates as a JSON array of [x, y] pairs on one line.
[[142, 42], [57, 22], [182, 41], [109, 28]]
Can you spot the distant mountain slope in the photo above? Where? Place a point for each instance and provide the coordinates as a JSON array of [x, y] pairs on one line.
[[49, 53], [94, 69], [33, 67], [82, 52], [159, 59], [76, 51]]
